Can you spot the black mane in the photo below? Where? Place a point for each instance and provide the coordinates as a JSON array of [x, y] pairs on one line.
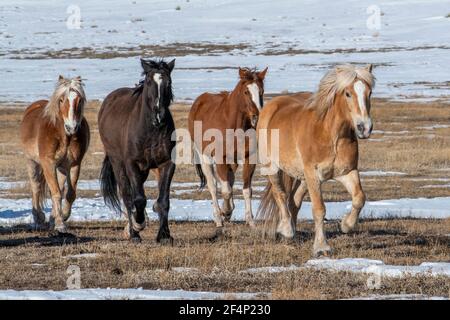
[[159, 65]]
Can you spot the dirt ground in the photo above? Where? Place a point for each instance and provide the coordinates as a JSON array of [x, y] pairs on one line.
[[411, 138]]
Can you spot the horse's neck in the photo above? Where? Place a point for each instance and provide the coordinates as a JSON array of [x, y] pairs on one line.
[[335, 121], [233, 111]]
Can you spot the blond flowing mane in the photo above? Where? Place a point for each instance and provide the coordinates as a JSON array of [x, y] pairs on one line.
[[334, 82], [63, 87]]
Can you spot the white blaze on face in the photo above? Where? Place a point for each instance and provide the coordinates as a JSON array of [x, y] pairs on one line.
[[71, 121], [254, 91], [158, 79], [360, 89]]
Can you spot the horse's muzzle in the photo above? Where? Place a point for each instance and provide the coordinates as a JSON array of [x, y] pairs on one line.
[[71, 130]]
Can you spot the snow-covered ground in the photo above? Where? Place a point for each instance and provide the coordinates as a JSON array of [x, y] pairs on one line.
[[120, 294], [18, 211], [366, 266], [299, 41]]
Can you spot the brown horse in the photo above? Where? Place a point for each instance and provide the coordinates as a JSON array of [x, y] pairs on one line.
[[318, 142], [55, 137], [237, 111]]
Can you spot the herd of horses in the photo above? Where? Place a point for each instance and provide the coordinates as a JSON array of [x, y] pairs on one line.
[[318, 141]]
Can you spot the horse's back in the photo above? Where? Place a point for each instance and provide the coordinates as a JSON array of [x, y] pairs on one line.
[[206, 108], [285, 107]]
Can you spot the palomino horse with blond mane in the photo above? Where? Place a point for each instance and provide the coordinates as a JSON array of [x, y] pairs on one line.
[[55, 137], [318, 142], [236, 111]]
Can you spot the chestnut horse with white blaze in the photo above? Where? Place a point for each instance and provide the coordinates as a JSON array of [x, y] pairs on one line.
[[55, 137], [318, 142], [235, 110]]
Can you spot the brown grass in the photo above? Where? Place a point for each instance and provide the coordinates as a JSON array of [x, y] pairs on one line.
[[219, 264]]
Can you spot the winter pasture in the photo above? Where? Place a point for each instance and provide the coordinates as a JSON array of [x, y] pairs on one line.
[[401, 247]]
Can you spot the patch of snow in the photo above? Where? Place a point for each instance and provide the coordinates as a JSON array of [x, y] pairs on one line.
[[18, 211], [410, 50], [378, 267], [375, 173], [82, 256], [435, 126], [366, 266], [121, 294], [398, 297], [433, 186]]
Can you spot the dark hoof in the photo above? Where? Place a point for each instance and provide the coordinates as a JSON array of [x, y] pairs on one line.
[[227, 216], [59, 234], [218, 235], [165, 241], [136, 239]]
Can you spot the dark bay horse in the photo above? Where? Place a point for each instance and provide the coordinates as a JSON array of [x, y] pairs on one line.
[[55, 137], [136, 126], [318, 141], [237, 111]]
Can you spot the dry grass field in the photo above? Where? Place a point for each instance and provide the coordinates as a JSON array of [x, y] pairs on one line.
[[411, 138]]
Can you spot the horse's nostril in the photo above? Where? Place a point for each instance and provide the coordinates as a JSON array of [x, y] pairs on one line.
[[360, 127]]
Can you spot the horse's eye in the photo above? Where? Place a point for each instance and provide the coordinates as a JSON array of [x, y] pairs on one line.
[[246, 92], [347, 94]]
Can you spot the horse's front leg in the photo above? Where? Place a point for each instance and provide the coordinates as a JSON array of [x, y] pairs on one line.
[[320, 246], [226, 178], [71, 191], [162, 204], [49, 168], [137, 217], [352, 183]]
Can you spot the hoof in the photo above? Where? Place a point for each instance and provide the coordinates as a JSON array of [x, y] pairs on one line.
[[286, 231], [345, 226], [226, 215], [61, 228], [165, 241], [251, 224], [136, 239], [322, 252]]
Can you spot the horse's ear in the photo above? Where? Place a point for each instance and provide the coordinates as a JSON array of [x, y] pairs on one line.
[[369, 67], [262, 74], [242, 73], [171, 65], [60, 78], [145, 65]]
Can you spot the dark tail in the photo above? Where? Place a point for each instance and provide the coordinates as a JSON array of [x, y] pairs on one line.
[[201, 175], [198, 169], [108, 185], [43, 188], [268, 209]]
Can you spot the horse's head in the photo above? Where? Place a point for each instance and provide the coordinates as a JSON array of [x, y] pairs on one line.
[[357, 96], [71, 103], [252, 84], [157, 87]]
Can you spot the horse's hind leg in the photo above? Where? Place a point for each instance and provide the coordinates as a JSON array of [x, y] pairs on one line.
[[284, 227], [70, 192], [353, 185], [226, 177], [162, 204], [37, 183], [208, 170], [132, 229], [295, 202]]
